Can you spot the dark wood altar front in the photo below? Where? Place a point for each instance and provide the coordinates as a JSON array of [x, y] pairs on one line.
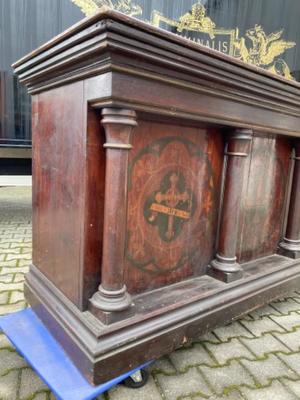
[[166, 190]]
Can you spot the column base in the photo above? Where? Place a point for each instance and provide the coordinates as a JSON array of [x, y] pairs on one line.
[[111, 305], [289, 248], [225, 269]]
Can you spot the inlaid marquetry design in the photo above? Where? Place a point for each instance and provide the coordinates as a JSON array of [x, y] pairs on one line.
[[170, 207], [171, 198]]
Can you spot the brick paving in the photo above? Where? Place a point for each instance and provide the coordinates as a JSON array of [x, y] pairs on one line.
[[255, 358]]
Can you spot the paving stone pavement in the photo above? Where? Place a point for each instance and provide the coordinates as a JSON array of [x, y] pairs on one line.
[[254, 358]]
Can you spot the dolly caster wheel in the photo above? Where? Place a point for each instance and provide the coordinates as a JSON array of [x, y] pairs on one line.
[[137, 380]]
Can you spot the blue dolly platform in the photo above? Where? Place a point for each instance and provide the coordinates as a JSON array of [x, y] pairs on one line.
[[34, 342]]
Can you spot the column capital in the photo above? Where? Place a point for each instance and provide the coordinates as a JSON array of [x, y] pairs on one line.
[[118, 124], [118, 116], [296, 146], [238, 142], [241, 134]]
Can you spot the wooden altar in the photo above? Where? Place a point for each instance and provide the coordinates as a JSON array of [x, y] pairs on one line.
[[166, 190]]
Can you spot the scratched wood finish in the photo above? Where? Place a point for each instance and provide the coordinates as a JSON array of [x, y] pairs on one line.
[[68, 173], [57, 187], [264, 193], [93, 81]]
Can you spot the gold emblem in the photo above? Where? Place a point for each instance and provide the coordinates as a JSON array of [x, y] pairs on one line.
[[88, 7], [196, 20], [265, 50]]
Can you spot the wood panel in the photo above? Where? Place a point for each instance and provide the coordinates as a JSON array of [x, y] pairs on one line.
[[58, 186], [173, 197], [264, 196], [68, 191]]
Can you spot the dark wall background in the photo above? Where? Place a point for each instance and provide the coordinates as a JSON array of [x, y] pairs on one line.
[[26, 24]]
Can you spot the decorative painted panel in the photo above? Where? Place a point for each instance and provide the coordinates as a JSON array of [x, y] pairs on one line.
[[174, 184]]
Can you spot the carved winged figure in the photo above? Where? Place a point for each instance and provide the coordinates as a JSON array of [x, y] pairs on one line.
[[265, 49], [197, 20], [88, 7]]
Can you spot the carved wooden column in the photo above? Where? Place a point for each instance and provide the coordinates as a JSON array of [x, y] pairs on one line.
[[290, 245], [112, 297], [224, 266]]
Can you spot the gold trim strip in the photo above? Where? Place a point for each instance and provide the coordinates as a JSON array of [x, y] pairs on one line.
[[228, 153], [117, 146]]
